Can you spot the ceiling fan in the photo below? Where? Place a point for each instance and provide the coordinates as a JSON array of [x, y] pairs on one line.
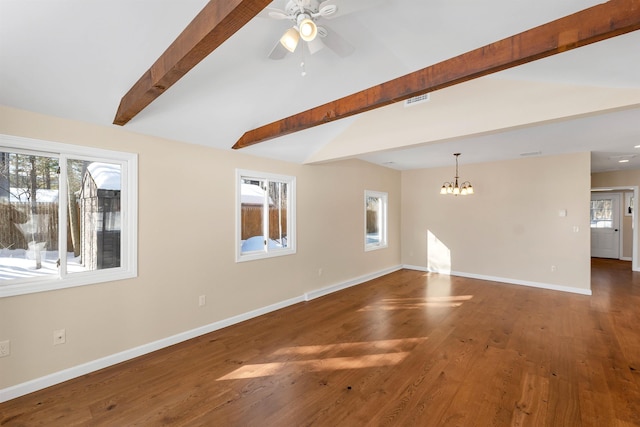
[[304, 14]]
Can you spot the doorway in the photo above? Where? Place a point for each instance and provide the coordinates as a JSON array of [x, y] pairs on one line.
[[605, 225], [628, 226]]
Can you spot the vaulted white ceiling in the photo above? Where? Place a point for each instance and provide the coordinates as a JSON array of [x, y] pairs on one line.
[[77, 58]]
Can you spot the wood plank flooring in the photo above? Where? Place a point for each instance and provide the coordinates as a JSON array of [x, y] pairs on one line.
[[407, 349]]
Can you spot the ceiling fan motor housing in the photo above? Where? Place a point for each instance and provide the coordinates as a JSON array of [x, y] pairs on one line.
[[295, 7]]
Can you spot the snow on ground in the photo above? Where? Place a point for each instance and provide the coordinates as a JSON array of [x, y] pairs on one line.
[[21, 264]]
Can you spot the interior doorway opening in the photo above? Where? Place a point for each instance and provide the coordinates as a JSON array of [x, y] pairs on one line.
[[624, 217]]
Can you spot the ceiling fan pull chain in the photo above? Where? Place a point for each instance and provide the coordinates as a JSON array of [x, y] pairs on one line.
[[302, 64]]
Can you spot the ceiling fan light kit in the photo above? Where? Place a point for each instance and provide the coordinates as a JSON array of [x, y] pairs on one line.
[[308, 29], [305, 14], [305, 30], [289, 39]]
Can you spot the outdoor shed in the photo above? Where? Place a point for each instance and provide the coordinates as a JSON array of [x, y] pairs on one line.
[[100, 216]]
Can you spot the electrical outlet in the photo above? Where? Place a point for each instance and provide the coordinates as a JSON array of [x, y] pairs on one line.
[[202, 300], [5, 348], [59, 337]]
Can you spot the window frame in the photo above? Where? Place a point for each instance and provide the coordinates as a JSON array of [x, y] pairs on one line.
[[382, 221], [291, 216], [607, 223], [129, 215]]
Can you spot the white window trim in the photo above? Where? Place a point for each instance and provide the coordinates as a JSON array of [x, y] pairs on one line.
[[383, 220], [291, 216], [129, 215]]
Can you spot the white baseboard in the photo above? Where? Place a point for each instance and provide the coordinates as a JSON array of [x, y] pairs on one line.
[[353, 282], [626, 258], [507, 280], [104, 362]]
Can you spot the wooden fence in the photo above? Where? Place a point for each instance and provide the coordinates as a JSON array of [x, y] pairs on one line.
[[45, 227], [372, 221], [19, 225], [251, 217]]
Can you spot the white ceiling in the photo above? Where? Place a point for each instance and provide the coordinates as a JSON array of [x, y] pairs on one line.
[[76, 59]]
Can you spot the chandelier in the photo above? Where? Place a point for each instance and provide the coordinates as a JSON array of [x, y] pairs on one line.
[[453, 187]]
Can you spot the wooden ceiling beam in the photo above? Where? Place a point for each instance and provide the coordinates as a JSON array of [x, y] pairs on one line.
[[215, 23], [594, 24]]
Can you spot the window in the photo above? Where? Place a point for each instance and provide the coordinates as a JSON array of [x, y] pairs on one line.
[[602, 213], [68, 215], [375, 213], [265, 215]]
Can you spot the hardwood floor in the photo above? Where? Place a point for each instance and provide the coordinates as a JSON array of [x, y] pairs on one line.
[[407, 349]]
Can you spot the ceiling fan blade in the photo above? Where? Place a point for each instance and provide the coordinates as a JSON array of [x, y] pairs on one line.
[[278, 51], [272, 13], [345, 7], [277, 14], [315, 45], [327, 10], [335, 42]]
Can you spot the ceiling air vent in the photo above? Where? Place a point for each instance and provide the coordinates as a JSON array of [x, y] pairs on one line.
[[416, 100], [531, 153]]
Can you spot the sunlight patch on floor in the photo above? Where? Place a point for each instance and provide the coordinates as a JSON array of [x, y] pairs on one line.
[[331, 357], [329, 364], [368, 346], [418, 303]]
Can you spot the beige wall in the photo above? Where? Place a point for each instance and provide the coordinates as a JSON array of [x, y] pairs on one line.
[[511, 227], [620, 179], [189, 190]]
